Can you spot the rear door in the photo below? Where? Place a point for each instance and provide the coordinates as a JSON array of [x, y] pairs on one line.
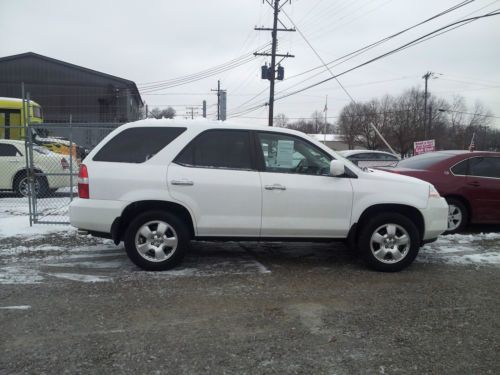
[[483, 185], [216, 178]]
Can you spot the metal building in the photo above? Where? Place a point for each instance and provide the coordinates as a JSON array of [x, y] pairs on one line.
[[64, 89]]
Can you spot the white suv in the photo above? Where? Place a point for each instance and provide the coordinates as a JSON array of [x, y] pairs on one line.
[[157, 184]]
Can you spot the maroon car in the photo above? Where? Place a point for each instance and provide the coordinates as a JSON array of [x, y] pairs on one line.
[[470, 182]]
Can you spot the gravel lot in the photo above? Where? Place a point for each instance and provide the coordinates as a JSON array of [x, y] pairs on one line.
[[73, 304]]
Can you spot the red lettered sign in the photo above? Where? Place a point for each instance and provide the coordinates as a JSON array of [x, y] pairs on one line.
[[422, 147]]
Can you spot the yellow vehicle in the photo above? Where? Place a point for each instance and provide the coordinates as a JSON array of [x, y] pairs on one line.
[[12, 117], [12, 125]]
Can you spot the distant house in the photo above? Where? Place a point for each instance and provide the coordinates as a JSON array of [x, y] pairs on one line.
[[334, 141], [64, 89]]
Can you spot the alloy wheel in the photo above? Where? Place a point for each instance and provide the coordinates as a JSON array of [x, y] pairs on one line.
[[390, 243], [156, 241]]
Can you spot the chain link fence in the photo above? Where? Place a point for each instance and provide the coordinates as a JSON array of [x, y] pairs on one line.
[[39, 167]]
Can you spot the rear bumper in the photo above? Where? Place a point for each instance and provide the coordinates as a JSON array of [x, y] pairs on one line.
[[435, 218], [94, 215]]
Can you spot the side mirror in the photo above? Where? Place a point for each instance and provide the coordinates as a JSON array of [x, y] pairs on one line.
[[337, 168]]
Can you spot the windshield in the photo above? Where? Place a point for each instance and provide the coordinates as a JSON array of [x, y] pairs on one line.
[[423, 161]]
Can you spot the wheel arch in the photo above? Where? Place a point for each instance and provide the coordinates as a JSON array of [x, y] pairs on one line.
[[21, 172], [464, 201], [410, 212], [121, 223]]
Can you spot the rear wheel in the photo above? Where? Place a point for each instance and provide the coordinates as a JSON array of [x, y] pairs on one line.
[[458, 216], [156, 240], [389, 242]]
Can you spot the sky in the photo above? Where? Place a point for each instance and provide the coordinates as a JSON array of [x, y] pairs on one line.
[[162, 40]]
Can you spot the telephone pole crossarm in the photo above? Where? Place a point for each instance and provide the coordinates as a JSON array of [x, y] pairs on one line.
[[270, 29], [270, 54]]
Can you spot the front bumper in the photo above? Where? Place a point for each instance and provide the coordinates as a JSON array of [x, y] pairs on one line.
[[435, 218]]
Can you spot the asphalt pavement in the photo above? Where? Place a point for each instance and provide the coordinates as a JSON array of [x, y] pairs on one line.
[[77, 305]]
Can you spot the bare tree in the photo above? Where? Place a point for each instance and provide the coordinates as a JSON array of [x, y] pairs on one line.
[[158, 113], [400, 120], [280, 120], [349, 124]]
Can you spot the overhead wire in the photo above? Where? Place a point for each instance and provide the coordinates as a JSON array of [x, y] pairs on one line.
[[412, 43], [362, 50]]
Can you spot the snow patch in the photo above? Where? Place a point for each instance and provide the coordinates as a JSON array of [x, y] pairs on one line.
[[20, 307], [19, 226], [463, 249], [80, 277], [19, 275]]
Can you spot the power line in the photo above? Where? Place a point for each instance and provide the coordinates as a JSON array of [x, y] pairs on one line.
[[412, 43], [370, 46], [425, 37], [366, 48], [468, 113], [230, 62], [201, 75]]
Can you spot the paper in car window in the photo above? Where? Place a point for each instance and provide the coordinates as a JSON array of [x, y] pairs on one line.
[[285, 153]]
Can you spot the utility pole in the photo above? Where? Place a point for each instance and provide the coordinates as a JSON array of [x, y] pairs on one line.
[[430, 121], [326, 118], [219, 92], [271, 72], [426, 76], [191, 111]]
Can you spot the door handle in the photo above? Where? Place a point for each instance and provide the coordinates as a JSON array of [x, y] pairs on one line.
[[474, 183], [182, 182], [275, 187]]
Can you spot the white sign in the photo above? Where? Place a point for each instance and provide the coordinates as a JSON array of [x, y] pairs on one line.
[[422, 147], [285, 153]]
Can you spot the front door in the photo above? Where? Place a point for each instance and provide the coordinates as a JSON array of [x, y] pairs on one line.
[[299, 197], [216, 178]]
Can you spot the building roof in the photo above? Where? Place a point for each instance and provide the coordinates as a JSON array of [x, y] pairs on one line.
[[133, 86]]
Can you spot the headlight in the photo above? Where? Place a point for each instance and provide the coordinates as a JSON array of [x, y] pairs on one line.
[[433, 193]]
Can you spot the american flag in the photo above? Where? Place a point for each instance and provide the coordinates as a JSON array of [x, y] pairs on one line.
[[472, 146]]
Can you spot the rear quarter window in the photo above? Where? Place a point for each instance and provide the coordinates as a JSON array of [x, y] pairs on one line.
[[136, 145]]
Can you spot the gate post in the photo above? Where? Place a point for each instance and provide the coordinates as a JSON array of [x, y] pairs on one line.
[[26, 148], [31, 175]]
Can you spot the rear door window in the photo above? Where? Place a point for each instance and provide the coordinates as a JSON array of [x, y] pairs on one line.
[[485, 167], [136, 145], [218, 148]]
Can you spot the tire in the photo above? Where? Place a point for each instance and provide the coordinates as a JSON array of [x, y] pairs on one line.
[[20, 185], [378, 242], [458, 216], [157, 253]]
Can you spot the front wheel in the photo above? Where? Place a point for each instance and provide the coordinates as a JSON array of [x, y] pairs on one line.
[[389, 242], [156, 241]]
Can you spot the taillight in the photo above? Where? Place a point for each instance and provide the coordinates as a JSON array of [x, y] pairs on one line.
[[83, 182], [64, 164]]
